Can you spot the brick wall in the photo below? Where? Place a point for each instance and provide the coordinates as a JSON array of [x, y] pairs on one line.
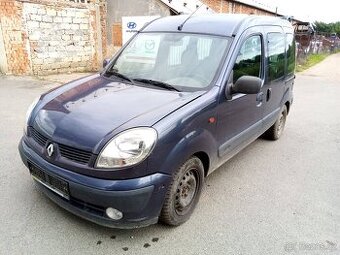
[[44, 37], [220, 6], [117, 39], [103, 26], [229, 6], [14, 37], [60, 39]]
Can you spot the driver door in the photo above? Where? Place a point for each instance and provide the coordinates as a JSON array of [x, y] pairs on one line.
[[240, 116]]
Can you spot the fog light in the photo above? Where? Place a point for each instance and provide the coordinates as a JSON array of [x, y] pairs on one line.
[[114, 213]]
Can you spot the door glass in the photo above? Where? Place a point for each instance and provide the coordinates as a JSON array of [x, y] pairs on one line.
[[276, 50], [249, 58], [290, 54]]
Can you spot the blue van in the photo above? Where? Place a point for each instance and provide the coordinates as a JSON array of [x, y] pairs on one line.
[[131, 146]]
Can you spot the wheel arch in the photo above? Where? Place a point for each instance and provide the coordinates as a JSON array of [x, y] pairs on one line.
[[204, 157], [199, 143]]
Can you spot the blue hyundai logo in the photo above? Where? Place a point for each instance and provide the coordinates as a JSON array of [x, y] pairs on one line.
[[131, 25]]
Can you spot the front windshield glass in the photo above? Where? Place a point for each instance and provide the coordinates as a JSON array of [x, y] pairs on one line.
[[187, 62]]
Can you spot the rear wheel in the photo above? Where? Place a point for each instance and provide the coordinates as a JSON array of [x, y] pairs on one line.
[[183, 193], [275, 131]]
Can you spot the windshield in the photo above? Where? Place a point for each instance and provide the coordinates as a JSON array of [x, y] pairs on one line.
[[187, 62]]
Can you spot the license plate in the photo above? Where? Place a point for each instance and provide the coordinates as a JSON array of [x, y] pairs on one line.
[[53, 183]]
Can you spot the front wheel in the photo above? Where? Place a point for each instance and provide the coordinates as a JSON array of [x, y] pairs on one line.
[[183, 193], [275, 131]]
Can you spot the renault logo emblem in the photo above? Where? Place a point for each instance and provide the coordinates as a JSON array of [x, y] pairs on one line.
[[50, 149]]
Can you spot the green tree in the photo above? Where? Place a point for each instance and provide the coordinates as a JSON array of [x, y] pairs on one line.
[[327, 27]]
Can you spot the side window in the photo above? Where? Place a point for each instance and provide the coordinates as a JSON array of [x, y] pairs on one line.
[[249, 58], [290, 53], [276, 51]]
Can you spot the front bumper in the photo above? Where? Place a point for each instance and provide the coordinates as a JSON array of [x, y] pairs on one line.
[[140, 200]]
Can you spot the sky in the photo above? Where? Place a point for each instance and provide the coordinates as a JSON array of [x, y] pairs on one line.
[[306, 10]]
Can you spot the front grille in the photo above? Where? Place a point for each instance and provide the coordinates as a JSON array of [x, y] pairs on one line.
[[73, 154], [39, 138]]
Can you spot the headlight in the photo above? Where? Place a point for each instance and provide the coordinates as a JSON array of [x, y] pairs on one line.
[[128, 148], [30, 109]]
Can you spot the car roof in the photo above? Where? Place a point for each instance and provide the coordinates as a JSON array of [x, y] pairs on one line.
[[216, 24]]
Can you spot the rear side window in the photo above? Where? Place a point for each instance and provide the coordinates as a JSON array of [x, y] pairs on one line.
[[249, 58], [290, 53], [276, 51]]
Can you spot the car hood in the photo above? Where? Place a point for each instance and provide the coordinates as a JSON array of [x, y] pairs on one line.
[[83, 113]]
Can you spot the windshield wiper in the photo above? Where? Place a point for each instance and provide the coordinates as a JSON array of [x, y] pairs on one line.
[[157, 84], [115, 72]]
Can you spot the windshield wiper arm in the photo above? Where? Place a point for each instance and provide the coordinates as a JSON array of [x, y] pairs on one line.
[[157, 84], [118, 74]]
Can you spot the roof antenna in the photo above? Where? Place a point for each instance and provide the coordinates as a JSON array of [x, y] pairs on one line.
[[180, 27]]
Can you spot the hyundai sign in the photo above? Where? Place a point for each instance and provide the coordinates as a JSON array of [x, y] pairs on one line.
[[131, 25]]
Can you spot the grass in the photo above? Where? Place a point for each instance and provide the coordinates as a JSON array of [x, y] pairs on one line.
[[311, 60]]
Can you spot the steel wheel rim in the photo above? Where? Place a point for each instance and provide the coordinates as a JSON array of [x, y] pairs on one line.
[[186, 191]]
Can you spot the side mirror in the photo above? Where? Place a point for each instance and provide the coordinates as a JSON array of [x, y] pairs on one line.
[[105, 62], [247, 85]]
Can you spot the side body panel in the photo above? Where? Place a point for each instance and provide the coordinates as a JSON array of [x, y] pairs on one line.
[[184, 133]]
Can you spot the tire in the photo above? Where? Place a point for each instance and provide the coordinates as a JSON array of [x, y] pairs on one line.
[[275, 131], [183, 193]]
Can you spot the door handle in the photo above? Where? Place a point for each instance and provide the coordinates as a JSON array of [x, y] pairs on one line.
[[269, 94], [259, 97]]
